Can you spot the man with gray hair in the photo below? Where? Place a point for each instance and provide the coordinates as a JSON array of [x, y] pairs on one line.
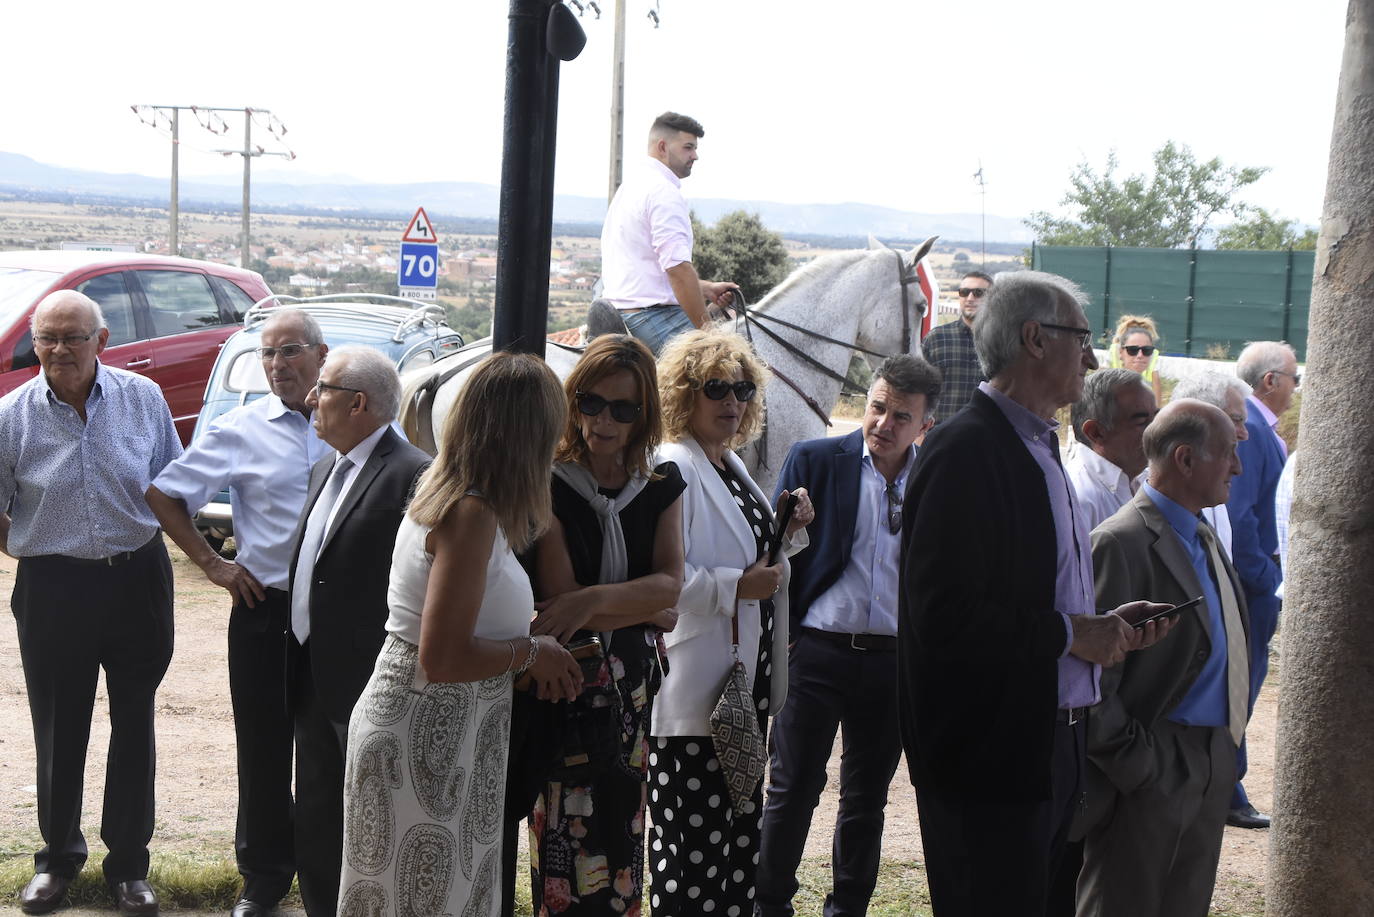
[[1106, 456], [999, 648], [79, 443], [1228, 394], [1270, 368], [340, 574], [1162, 743], [263, 452]]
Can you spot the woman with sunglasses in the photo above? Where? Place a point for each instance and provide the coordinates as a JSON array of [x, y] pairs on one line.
[[1135, 347], [608, 572], [703, 853]]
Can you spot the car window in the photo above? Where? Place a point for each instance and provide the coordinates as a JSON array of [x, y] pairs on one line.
[[246, 374], [239, 301], [112, 293], [179, 301]]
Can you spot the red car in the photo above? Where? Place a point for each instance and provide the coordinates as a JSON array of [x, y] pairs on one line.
[[167, 317]]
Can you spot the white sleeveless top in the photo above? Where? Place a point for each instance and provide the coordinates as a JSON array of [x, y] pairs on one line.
[[507, 604]]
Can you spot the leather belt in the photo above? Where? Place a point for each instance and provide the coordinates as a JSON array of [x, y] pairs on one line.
[[1071, 716], [863, 643], [114, 560], [662, 305]]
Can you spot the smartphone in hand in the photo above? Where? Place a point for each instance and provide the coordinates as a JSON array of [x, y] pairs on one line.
[[1169, 612], [780, 530]]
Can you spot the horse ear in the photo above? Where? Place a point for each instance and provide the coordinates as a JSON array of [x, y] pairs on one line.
[[922, 250], [873, 243]]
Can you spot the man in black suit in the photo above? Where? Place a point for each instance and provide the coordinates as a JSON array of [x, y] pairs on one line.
[[339, 577], [842, 666], [998, 649]]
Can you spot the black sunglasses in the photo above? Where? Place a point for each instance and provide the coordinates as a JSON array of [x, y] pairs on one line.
[[1137, 349], [717, 389], [975, 292], [621, 411]]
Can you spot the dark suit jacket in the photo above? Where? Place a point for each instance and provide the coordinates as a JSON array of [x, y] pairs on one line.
[[1137, 555], [1254, 533], [829, 469], [978, 636], [348, 608]]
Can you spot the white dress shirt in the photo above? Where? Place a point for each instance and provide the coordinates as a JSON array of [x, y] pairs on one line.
[[863, 599], [263, 453], [358, 455], [1101, 487], [648, 229]]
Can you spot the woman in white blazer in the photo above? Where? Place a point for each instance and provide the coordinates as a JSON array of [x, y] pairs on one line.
[[703, 853]]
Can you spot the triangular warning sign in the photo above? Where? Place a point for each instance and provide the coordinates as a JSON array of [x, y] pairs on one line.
[[420, 228]]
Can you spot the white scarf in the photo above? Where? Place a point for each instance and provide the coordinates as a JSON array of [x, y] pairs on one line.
[[615, 565]]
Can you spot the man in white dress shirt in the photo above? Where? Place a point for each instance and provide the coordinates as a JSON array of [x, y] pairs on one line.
[[263, 452], [646, 241], [1107, 457]]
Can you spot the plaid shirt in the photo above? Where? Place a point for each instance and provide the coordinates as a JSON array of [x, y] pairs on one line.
[[949, 347]]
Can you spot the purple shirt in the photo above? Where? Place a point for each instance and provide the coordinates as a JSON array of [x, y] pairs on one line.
[[1073, 572]]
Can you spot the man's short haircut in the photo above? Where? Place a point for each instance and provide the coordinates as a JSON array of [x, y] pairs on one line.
[[1259, 358], [670, 123], [1099, 400], [1018, 297], [371, 372], [979, 274], [91, 306], [1172, 429], [912, 375], [310, 328], [1211, 387]]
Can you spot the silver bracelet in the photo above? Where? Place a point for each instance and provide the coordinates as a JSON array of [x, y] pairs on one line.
[[511, 665], [529, 660]]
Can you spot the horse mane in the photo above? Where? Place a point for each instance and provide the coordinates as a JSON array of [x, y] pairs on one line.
[[807, 274]]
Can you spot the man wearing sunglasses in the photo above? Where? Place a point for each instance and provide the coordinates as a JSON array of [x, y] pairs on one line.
[[646, 241], [842, 666], [1270, 368], [263, 452], [950, 348]]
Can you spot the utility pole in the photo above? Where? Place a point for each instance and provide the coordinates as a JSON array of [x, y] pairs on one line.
[[173, 245], [983, 196], [617, 102], [244, 254]]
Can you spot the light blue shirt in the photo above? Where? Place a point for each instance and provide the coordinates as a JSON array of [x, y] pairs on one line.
[[78, 488], [863, 599], [1206, 703], [263, 453]]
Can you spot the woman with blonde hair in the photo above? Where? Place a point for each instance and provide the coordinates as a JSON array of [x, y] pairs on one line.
[[1135, 346], [609, 570], [704, 848], [426, 767]]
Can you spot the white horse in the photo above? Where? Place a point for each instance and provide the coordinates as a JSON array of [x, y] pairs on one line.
[[869, 299]]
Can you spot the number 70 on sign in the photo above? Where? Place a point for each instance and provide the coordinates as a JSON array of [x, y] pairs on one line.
[[419, 265]]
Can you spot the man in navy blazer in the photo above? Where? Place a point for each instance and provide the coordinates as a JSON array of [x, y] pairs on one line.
[[842, 665], [1271, 370]]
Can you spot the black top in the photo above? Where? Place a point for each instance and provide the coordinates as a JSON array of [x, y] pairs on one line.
[[639, 522], [754, 513]]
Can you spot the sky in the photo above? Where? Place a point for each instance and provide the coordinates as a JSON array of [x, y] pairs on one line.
[[887, 102]]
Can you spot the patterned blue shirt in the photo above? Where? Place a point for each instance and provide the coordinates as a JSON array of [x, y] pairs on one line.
[[78, 488]]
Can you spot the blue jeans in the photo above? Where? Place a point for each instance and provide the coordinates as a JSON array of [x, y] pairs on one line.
[[657, 325]]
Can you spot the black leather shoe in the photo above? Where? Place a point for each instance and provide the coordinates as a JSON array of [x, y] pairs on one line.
[[44, 893], [1247, 817], [246, 908], [135, 898]]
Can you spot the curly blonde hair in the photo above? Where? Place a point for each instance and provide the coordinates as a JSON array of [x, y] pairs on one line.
[[689, 360]]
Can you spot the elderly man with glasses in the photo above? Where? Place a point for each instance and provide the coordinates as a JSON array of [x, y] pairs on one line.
[[263, 452], [78, 444], [950, 348]]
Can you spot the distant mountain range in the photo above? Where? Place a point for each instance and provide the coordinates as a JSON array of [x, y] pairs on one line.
[[291, 192]]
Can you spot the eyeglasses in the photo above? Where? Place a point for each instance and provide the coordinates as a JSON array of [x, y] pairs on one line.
[[975, 292], [1133, 350], [717, 389], [894, 508], [1085, 335], [1296, 377], [321, 386], [621, 411], [290, 351], [71, 340]]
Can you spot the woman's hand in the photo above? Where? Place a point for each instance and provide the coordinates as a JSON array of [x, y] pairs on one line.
[[665, 620], [563, 615], [556, 674], [802, 515], [759, 581]]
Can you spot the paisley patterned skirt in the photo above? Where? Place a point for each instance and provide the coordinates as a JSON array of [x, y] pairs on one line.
[[424, 792]]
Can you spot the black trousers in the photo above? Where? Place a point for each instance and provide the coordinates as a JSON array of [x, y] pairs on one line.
[[321, 750], [73, 620], [987, 856], [830, 686], [263, 836]]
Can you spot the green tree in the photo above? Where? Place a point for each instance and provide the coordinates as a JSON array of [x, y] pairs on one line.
[[1262, 229], [740, 248], [1168, 208]]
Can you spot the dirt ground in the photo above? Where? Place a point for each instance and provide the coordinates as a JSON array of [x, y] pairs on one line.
[[195, 777]]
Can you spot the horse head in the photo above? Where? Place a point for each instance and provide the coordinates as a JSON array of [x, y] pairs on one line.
[[891, 323]]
